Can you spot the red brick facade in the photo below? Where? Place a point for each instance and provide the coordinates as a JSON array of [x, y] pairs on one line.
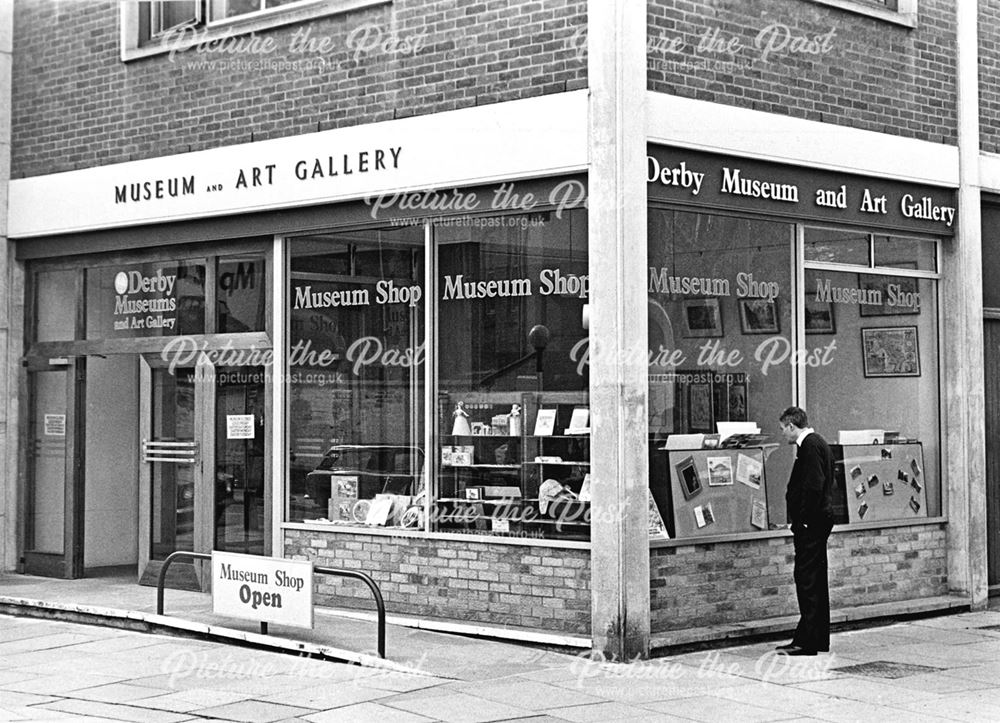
[[77, 105], [707, 584], [460, 580], [874, 75]]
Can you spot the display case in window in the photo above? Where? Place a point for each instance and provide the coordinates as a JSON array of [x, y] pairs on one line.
[[718, 491], [515, 463], [879, 482]]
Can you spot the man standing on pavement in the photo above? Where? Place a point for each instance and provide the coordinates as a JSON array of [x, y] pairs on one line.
[[809, 500]]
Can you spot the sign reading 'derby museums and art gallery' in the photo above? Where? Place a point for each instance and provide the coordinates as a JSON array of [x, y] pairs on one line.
[[711, 181], [267, 589], [150, 299]]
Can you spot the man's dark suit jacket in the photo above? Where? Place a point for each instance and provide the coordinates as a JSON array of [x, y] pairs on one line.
[[809, 497]]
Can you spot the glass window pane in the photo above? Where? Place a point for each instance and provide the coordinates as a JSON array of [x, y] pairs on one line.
[[47, 481], [240, 295], [513, 384], [720, 335], [900, 252], [149, 299], [173, 490], [834, 246], [886, 352], [55, 299], [222, 9], [356, 397]]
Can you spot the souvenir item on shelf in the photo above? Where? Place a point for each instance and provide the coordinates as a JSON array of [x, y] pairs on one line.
[[461, 427], [514, 425], [550, 491]]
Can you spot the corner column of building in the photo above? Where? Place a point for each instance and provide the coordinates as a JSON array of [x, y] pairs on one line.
[[963, 341], [616, 69], [10, 304]]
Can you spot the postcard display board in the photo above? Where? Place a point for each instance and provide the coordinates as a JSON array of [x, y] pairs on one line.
[[883, 481], [718, 491]]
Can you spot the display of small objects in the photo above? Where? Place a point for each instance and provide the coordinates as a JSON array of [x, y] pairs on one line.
[[871, 473]]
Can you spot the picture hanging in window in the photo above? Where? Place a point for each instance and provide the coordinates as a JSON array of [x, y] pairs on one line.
[[700, 408], [690, 480], [819, 316], [892, 295], [891, 351], [738, 403], [702, 318], [759, 316]]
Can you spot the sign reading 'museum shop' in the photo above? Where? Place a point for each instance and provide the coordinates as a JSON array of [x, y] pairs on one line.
[[267, 589], [711, 181]]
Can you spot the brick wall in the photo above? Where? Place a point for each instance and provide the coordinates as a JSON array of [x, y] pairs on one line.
[[76, 104], [989, 75], [523, 586], [698, 585], [875, 75]]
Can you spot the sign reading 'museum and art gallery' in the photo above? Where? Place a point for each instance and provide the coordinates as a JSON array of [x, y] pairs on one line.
[[709, 181]]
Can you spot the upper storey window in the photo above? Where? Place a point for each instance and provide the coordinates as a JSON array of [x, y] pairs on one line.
[[151, 27], [900, 12]]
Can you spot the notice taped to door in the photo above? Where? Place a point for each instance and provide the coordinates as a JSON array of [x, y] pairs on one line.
[[239, 426]]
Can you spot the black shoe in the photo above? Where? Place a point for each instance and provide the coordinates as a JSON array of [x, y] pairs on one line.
[[799, 651], [789, 646]]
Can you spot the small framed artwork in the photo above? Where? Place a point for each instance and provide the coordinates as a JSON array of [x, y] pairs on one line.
[[890, 351], [702, 317], [758, 316], [738, 403], [700, 407], [819, 317], [891, 295], [687, 475]]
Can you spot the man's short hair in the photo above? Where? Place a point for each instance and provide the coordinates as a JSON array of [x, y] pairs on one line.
[[796, 416]]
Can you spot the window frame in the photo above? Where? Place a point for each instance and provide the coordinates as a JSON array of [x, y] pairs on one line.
[[903, 13], [136, 23]]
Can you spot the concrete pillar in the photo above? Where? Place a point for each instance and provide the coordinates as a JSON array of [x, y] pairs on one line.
[[962, 340], [10, 304], [616, 69]]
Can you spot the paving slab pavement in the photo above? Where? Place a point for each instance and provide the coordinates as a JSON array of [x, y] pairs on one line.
[[934, 669]]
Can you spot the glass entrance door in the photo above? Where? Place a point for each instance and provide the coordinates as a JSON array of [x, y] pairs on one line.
[[240, 495], [171, 499], [53, 521]]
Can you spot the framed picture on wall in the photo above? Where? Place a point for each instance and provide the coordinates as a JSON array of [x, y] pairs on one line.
[[819, 317], [738, 403], [758, 316], [890, 351], [898, 295], [700, 408], [702, 317]]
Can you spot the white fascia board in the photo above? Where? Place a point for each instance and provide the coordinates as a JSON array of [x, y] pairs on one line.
[[529, 138], [729, 130]]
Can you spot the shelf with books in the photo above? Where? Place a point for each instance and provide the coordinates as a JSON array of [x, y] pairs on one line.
[[491, 441]]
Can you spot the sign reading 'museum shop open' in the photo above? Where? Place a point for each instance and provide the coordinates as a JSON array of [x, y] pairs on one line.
[[266, 589]]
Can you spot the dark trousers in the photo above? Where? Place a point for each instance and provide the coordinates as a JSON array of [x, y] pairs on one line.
[[812, 588]]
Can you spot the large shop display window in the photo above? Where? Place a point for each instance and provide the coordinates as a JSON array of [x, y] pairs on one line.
[[355, 392], [511, 420], [732, 342]]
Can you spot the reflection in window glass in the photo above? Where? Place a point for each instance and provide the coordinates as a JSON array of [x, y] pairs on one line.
[[886, 352], [720, 335], [900, 252], [55, 301], [240, 295], [513, 383], [355, 357], [833, 246]]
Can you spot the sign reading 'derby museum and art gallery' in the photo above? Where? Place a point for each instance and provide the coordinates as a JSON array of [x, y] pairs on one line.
[[267, 589], [724, 182]]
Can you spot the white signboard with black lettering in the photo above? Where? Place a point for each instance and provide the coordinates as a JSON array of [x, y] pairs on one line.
[[266, 589]]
